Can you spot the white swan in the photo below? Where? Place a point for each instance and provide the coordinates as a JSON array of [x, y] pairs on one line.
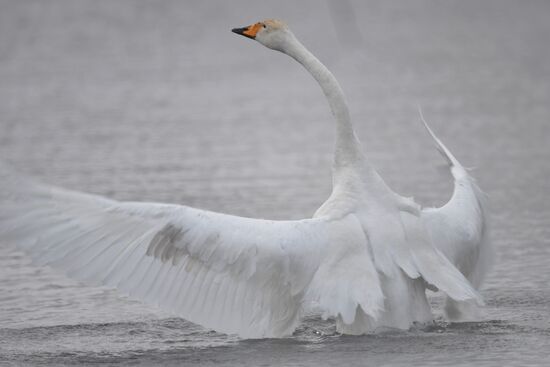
[[365, 259]]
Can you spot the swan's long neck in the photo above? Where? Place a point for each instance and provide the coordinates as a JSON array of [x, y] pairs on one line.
[[347, 150]]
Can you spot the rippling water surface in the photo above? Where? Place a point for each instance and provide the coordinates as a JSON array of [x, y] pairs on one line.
[[159, 101]]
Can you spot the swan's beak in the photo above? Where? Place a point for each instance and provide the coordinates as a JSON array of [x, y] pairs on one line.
[[249, 31]]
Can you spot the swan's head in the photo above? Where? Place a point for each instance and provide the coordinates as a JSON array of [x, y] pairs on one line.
[[271, 33]]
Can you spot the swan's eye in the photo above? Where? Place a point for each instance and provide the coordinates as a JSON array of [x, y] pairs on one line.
[[263, 25]]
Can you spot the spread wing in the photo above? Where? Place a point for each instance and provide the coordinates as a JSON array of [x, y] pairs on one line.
[[410, 248], [233, 274], [460, 228]]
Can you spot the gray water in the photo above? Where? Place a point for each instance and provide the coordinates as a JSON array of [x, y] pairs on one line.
[[158, 101]]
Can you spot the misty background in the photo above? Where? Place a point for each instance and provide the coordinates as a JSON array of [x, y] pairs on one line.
[[159, 101]]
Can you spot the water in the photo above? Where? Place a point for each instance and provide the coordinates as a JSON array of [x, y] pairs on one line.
[[159, 101]]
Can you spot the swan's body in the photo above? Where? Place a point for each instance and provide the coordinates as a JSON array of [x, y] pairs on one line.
[[366, 258]]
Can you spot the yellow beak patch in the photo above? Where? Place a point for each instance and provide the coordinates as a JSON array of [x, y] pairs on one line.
[[253, 30]]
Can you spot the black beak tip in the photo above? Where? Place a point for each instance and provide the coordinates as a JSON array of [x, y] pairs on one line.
[[241, 31], [238, 30]]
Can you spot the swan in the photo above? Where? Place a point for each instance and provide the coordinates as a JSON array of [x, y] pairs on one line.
[[365, 259]]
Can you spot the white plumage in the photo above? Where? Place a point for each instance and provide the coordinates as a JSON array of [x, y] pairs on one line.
[[460, 229], [365, 259]]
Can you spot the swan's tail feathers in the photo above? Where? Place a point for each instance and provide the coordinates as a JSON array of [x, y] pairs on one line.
[[457, 170]]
